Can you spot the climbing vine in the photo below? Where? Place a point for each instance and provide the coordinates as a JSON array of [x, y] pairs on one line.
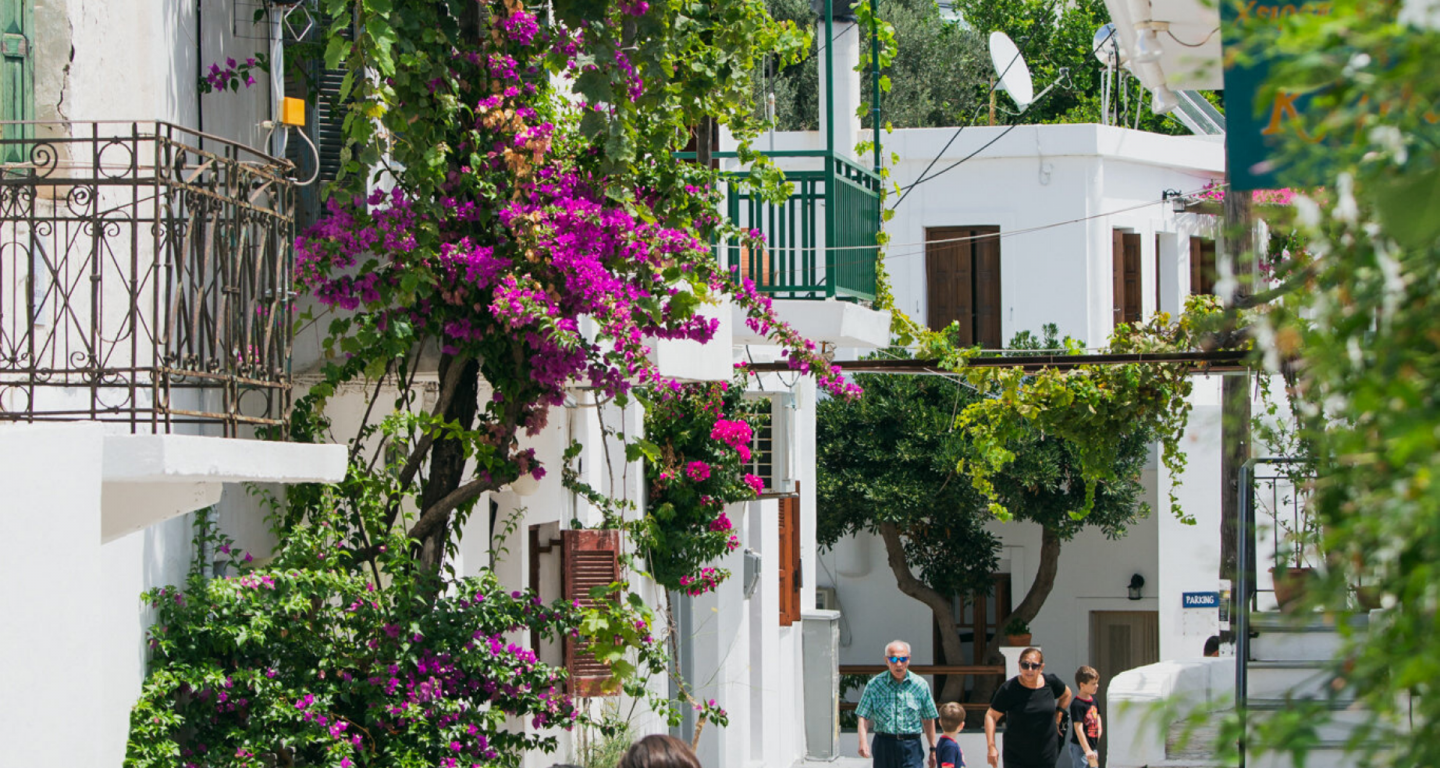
[[1091, 407]]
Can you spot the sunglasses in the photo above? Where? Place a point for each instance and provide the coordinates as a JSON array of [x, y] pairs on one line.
[[899, 659], [1031, 664]]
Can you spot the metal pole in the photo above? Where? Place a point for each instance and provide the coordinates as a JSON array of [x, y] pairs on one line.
[[875, 79], [1241, 595], [829, 104]]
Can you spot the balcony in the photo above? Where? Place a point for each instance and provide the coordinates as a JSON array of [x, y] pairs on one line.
[[145, 274], [821, 242]]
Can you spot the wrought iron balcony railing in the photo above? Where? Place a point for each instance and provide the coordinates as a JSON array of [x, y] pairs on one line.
[[145, 274], [821, 243]]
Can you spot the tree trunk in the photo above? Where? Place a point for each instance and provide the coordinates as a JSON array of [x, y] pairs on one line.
[[1235, 394], [1028, 608], [447, 459], [941, 605]]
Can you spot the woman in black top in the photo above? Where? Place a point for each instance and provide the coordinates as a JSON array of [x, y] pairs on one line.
[[1031, 704]]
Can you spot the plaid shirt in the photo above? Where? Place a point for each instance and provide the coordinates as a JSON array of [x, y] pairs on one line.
[[897, 707]]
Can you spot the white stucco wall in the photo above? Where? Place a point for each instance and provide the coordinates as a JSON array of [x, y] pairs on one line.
[[1056, 192]]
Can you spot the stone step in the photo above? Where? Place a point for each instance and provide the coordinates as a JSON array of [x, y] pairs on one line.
[[1344, 718], [1297, 678], [1298, 637]]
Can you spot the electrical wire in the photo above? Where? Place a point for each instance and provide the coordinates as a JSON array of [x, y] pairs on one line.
[[1192, 45], [314, 149], [905, 191]]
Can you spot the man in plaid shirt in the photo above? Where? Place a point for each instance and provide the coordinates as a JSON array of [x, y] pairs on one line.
[[898, 705]]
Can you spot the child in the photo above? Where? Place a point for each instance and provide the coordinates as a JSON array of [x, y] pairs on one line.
[[947, 748], [1085, 716]]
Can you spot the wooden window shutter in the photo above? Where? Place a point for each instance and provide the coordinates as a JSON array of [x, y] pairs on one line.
[[962, 272], [1117, 275], [1131, 277], [1202, 266], [987, 289], [790, 574], [589, 558], [17, 78], [1157, 273], [947, 279]]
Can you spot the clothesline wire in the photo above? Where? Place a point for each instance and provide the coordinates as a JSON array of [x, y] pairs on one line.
[[862, 258]]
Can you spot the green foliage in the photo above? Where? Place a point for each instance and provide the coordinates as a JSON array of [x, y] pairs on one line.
[[1017, 626], [1356, 331], [1094, 409], [895, 456], [941, 71], [316, 659]]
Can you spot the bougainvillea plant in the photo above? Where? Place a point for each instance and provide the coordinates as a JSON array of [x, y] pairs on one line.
[[307, 661], [700, 437], [509, 223]]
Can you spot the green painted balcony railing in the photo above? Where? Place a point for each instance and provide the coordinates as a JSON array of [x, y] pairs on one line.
[[821, 243]]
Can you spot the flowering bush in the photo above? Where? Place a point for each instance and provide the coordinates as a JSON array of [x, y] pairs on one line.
[[299, 664], [700, 435]]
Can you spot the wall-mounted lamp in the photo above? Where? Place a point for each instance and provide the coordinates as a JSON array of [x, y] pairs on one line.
[[1178, 202], [1137, 584]]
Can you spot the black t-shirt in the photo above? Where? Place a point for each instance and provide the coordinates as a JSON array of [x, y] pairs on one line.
[[1085, 714], [1031, 740]]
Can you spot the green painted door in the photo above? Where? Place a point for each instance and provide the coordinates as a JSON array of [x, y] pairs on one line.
[[17, 76]]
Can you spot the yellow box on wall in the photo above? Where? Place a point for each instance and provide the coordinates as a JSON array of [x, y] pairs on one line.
[[292, 111]]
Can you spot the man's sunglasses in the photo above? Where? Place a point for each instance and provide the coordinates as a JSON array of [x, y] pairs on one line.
[[1031, 664], [899, 659]]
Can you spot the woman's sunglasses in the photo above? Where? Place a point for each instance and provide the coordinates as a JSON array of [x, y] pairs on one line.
[[1031, 664]]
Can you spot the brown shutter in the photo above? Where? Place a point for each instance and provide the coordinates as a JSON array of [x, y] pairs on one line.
[[1117, 277], [987, 289], [1157, 273], [789, 557], [591, 558], [1133, 311], [947, 280]]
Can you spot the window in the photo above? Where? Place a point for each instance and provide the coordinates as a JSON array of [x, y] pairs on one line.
[[1126, 269], [17, 76], [962, 271], [1202, 266], [789, 559]]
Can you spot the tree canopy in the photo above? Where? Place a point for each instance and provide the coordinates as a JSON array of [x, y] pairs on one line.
[[888, 464]]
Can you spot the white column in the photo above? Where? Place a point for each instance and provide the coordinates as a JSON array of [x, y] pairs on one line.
[[50, 564], [845, 56]]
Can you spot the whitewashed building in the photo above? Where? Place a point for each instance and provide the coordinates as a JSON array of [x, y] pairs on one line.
[[133, 378]]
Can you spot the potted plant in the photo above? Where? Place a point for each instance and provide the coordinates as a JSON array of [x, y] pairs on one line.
[[1290, 578], [1017, 632]]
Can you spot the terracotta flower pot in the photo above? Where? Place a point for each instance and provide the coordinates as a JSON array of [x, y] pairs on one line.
[[1019, 640], [1289, 586]]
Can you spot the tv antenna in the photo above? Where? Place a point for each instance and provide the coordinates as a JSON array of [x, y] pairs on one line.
[[1013, 75]]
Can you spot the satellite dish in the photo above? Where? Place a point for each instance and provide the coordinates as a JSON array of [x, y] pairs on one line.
[[1011, 70], [1106, 45]]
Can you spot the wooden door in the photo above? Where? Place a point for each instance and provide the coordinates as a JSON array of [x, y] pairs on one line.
[[1120, 640]]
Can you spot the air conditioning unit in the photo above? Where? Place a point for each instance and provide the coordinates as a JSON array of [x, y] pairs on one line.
[[825, 599]]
